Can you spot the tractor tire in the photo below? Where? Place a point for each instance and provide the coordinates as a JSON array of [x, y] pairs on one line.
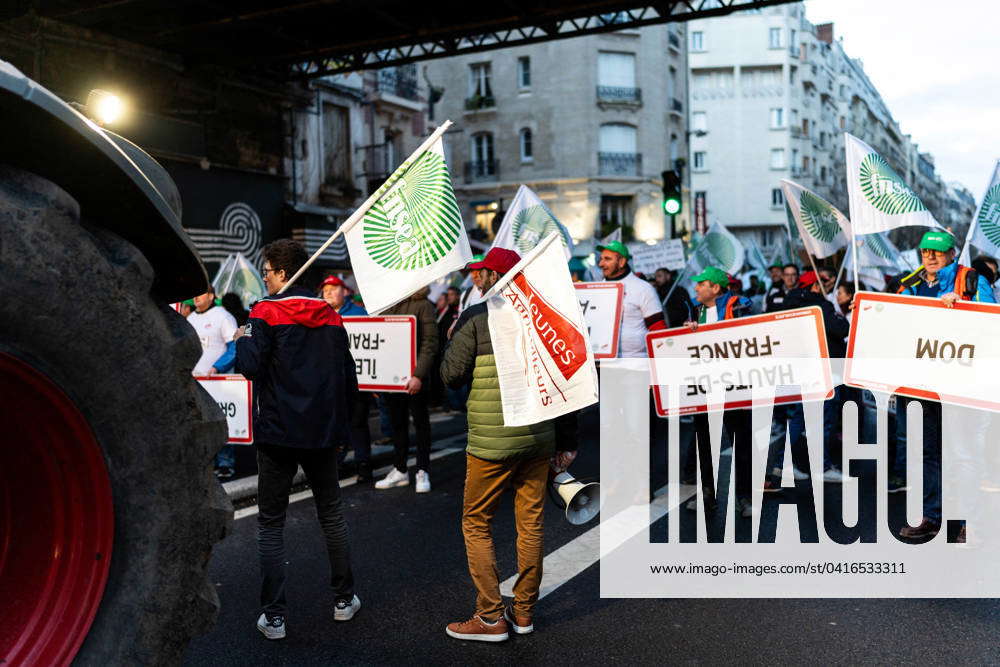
[[109, 508]]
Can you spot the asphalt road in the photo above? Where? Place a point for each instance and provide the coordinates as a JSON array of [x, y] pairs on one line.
[[410, 569]]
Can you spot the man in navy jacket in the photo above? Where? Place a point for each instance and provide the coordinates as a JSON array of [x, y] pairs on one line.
[[294, 349]]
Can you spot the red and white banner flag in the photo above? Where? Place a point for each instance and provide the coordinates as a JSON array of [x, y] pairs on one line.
[[543, 356]]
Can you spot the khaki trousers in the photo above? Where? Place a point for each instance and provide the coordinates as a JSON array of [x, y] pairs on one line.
[[485, 482]]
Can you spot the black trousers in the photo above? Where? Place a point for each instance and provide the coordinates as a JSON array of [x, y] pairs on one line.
[[736, 432], [276, 468], [361, 437], [416, 405]]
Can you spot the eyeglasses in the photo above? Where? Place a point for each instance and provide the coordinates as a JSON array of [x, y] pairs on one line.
[[264, 272], [929, 252]]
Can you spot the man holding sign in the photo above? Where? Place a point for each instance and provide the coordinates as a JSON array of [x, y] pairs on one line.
[[717, 304], [941, 277]]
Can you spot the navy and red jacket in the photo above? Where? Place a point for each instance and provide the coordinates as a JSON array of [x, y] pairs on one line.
[[295, 351]]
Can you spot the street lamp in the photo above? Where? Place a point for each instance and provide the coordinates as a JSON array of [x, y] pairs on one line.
[[104, 107]]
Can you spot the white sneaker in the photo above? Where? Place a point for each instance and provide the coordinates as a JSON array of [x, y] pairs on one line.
[[798, 474], [273, 629], [345, 610], [423, 482], [833, 475], [394, 478]]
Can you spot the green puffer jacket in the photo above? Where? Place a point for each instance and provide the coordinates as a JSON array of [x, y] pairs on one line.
[[470, 353]]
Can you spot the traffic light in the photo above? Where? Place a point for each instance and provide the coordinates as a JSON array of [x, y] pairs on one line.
[[671, 192]]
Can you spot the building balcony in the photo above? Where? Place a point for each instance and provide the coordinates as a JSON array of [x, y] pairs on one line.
[[619, 164], [482, 170], [478, 102], [674, 42], [401, 82], [619, 95]]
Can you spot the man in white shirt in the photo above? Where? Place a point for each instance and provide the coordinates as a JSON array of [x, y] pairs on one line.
[[215, 327], [642, 311]]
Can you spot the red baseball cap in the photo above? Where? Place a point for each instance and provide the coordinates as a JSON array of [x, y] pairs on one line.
[[500, 260], [808, 279], [333, 280]]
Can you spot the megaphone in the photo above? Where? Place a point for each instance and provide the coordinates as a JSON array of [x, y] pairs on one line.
[[581, 501]]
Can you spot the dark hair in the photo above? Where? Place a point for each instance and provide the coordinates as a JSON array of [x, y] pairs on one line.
[[791, 266], [285, 254], [983, 268], [234, 306], [849, 286]]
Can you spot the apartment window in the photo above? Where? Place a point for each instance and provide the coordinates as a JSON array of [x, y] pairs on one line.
[[527, 154], [479, 80], [697, 40], [616, 211], [774, 38], [617, 154], [805, 127], [795, 117], [674, 149], [777, 117], [822, 139], [822, 174], [777, 158], [699, 121], [481, 163], [672, 83], [791, 37], [795, 156], [336, 144], [843, 123], [777, 198], [484, 212], [700, 160], [616, 70], [805, 164], [524, 72], [766, 238]]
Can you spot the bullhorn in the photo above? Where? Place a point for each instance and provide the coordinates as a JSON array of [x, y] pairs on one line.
[[581, 501]]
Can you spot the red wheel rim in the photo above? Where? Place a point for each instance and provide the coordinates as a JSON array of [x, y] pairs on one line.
[[56, 520]]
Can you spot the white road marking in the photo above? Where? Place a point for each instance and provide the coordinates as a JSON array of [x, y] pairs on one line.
[[581, 552], [350, 481]]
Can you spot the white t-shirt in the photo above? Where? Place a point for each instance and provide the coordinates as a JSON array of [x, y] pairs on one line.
[[711, 314], [639, 302], [215, 328]]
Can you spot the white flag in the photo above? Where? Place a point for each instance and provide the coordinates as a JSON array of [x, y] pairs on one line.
[[880, 200], [819, 224], [718, 248], [984, 230], [527, 222], [411, 235], [540, 341]]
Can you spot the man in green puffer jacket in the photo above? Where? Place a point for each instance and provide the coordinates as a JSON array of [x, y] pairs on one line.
[[498, 457]]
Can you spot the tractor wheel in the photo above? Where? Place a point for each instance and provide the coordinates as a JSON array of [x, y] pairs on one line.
[[108, 505]]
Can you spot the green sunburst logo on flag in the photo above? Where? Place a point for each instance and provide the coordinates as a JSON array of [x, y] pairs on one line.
[[417, 221], [989, 215], [531, 225], [877, 245], [885, 190], [818, 217]]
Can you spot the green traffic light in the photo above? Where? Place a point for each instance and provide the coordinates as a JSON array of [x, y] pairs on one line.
[[671, 206]]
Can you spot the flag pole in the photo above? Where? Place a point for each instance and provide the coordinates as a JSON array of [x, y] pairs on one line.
[[854, 256], [840, 273], [812, 262], [360, 212]]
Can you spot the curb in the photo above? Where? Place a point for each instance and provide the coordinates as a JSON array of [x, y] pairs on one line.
[[446, 425]]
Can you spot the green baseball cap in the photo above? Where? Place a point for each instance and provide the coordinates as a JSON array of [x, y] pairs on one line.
[[618, 247], [713, 275], [937, 240]]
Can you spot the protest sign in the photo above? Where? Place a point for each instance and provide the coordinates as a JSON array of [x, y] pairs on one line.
[[916, 346], [668, 254], [544, 361], [601, 304], [234, 394], [784, 353], [384, 350]]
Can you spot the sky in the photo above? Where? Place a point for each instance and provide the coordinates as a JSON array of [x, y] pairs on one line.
[[936, 66]]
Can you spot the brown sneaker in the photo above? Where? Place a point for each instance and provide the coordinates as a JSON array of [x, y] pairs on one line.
[[521, 625], [927, 528], [476, 629]]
